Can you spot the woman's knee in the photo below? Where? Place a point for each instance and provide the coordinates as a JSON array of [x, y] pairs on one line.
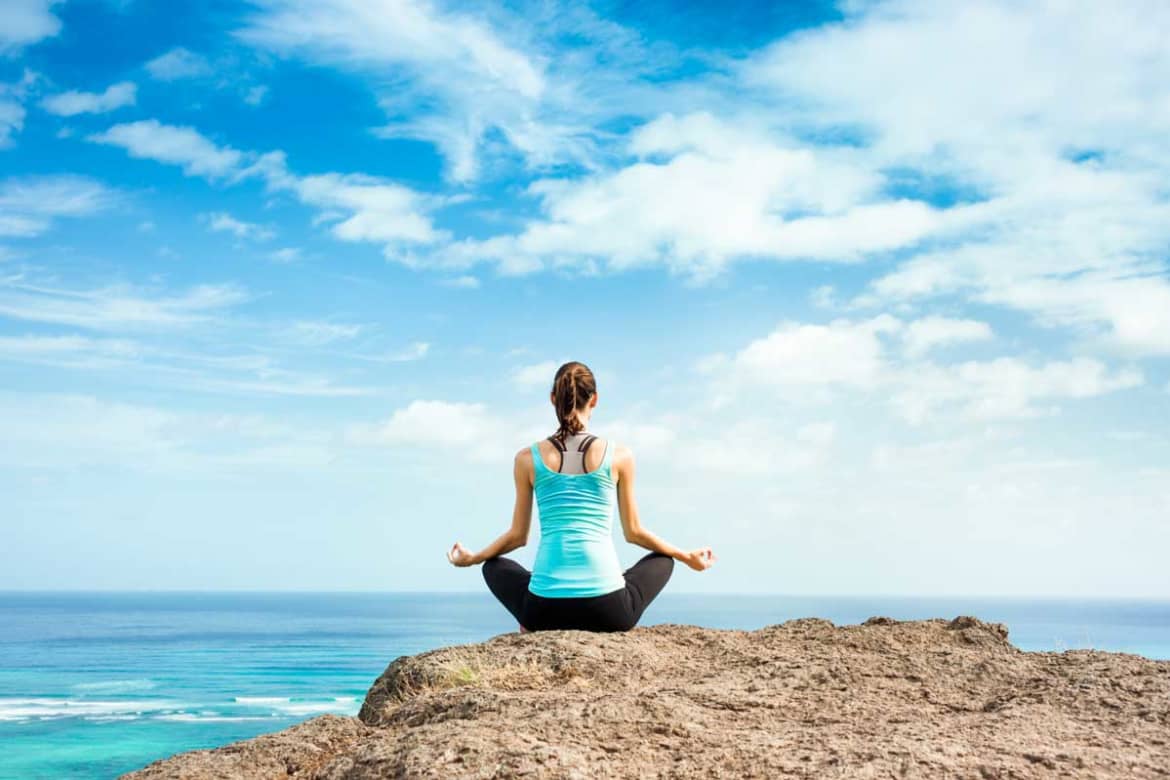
[[657, 561], [502, 568], [664, 563]]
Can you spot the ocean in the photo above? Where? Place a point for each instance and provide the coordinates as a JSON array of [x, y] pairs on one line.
[[93, 685]]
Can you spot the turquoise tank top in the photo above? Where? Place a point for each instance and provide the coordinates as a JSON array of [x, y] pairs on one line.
[[576, 556]]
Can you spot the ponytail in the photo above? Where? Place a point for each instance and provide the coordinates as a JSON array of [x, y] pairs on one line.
[[573, 386]]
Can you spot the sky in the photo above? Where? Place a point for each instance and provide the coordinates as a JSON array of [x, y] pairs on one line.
[[876, 292]]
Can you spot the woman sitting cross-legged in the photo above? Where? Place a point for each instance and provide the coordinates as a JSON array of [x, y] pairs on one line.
[[577, 580]]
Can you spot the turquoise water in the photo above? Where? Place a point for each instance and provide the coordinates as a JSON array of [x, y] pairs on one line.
[[92, 685]]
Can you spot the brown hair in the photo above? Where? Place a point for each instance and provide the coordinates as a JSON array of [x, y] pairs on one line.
[[573, 386]]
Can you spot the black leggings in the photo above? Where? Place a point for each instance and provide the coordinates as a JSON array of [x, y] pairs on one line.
[[616, 611]]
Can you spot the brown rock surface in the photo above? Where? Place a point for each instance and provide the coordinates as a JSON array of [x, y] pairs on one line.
[[803, 699]]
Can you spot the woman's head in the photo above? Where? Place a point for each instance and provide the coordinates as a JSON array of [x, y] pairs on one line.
[[574, 390]]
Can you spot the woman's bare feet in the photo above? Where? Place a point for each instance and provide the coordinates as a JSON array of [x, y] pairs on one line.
[[523, 630]]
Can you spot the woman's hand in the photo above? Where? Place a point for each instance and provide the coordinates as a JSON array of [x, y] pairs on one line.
[[700, 559], [460, 555]]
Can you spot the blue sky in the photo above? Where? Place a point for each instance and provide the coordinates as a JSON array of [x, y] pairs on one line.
[[877, 292]]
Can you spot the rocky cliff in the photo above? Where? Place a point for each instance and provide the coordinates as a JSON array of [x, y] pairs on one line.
[[926, 699]]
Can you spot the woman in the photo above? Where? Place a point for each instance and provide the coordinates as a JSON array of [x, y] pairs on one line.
[[576, 581]]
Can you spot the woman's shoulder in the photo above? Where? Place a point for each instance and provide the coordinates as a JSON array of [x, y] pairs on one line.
[[522, 461]]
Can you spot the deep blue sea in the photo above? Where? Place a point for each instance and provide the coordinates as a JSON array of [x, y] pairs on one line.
[[92, 685]]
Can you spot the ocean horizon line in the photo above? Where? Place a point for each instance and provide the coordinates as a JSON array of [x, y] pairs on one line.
[[714, 594]]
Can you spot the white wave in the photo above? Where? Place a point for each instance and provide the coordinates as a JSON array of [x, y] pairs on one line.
[[110, 718], [50, 709], [313, 707], [202, 717], [289, 705], [242, 708], [115, 686]]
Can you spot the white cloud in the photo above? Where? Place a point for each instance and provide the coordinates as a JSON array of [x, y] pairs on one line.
[[178, 63], [870, 70], [28, 205], [184, 146], [674, 440], [851, 360], [1070, 220], [537, 375], [374, 209], [796, 355], [467, 428], [58, 431], [11, 120], [457, 60], [360, 207], [256, 95], [12, 111], [270, 381], [71, 103], [1124, 304], [804, 448], [61, 431], [1127, 312], [645, 435], [115, 307], [24, 22], [925, 334], [153, 364], [464, 282], [818, 433], [21, 226], [222, 222], [68, 351], [415, 351], [287, 254], [486, 84], [316, 333], [1004, 388], [398, 32], [723, 192]]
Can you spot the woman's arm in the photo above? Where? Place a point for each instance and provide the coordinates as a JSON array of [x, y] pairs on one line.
[[517, 535], [632, 529]]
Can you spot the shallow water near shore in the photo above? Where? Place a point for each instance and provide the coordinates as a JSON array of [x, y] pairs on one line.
[[92, 685]]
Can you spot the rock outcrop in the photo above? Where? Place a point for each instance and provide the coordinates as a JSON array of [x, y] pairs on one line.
[[806, 698]]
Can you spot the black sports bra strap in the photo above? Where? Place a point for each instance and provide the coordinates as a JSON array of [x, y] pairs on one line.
[[560, 448], [583, 448]]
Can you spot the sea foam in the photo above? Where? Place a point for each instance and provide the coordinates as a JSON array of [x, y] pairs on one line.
[[114, 686], [51, 709]]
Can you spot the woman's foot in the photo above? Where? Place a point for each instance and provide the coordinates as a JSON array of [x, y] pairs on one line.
[[523, 630]]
